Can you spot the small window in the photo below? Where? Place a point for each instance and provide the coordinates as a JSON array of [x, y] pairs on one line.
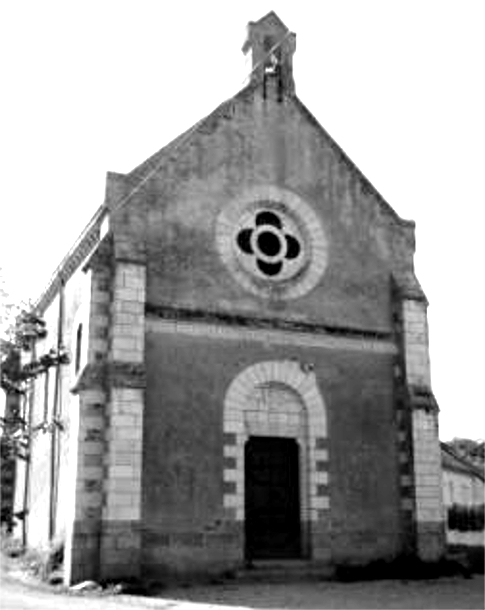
[[79, 339]]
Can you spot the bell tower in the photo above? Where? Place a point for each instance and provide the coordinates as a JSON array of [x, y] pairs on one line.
[[272, 46]]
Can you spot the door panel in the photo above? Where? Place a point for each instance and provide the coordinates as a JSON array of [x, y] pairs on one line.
[[272, 498]]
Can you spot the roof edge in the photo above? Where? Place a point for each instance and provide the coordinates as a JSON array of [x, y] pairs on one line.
[[72, 260], [468, 465], [353, 167], [154, 162]]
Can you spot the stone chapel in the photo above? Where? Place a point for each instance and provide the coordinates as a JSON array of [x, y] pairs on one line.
[[249, 376]]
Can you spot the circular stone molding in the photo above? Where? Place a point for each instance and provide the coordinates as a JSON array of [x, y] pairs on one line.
[[272, 242]]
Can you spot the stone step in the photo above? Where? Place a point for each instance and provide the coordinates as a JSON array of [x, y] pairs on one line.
[[290, 570]]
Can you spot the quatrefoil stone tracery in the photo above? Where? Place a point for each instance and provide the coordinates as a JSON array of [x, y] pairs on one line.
[[272, 244]]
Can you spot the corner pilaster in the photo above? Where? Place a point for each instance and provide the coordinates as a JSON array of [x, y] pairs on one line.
[[426, 456], [87, 429], [121, 536]]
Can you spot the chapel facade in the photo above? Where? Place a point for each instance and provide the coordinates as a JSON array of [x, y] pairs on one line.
[[250, 375]]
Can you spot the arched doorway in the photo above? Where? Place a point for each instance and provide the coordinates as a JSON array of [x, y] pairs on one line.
[[274, 449]]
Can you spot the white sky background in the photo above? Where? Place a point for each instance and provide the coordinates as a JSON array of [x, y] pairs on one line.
[[91, 86]]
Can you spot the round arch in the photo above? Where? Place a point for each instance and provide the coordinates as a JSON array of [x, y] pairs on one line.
[[277, 398]]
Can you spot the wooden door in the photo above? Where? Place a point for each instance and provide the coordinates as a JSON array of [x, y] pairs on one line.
[[272, 498]]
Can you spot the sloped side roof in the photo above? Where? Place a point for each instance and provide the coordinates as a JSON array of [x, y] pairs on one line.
[[82, 247], [271, 17], [451, 461]]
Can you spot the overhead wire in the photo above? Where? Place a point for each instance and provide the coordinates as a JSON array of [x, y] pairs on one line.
[[183, 140], [194, 128]]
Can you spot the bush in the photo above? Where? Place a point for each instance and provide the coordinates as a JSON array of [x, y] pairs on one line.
[[10, 546], [406, 568], [39, 562], [474, 556]]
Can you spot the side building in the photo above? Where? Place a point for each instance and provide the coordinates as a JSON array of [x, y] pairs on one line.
[[463, 496]]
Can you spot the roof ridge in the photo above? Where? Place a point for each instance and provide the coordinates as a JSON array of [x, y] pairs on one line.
[[267, 16], [464, 461]]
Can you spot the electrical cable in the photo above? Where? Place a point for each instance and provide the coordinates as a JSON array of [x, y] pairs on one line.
[[154, 170]]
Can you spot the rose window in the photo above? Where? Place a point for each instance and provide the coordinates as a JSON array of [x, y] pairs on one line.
[[270, 244]]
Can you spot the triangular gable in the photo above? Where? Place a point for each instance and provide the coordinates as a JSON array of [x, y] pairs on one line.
[[156, 161]]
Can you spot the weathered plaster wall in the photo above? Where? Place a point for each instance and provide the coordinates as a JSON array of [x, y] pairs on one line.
[[253, 142], [43, 405], [185, 523], [464, 490], [41, 409]]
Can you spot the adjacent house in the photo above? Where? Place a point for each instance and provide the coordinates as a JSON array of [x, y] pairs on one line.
[[463, 496]]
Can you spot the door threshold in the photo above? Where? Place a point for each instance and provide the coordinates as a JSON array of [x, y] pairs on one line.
[[256, 564]]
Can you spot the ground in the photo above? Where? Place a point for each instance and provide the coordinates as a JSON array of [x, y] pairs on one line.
[[17, 594]]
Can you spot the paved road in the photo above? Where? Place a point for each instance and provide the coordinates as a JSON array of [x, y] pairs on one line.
[[433, 594]]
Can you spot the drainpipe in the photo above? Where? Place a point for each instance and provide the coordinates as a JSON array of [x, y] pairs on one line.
[[56, 412], [46, 398], [28, 417]]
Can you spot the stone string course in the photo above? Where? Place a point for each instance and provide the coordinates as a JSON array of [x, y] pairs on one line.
[[275, 337]]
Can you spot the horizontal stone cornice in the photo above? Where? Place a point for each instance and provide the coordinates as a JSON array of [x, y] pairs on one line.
[[421, 397], [229, 319], [272, 331], [110, 374]]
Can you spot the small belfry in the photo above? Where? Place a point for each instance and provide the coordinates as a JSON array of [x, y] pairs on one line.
[[272, 46]]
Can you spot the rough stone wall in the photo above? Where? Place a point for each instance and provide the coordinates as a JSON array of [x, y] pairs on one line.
[[256, 142], [189, 525]]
